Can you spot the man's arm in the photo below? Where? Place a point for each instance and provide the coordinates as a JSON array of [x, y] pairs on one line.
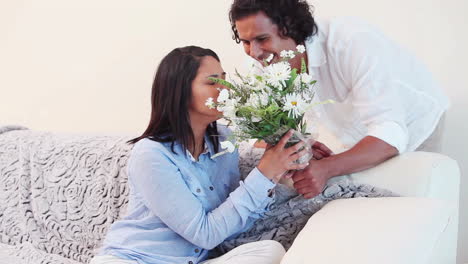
[[367, 153]]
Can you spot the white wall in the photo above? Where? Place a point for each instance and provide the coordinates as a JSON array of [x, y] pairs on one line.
[[87, 66]]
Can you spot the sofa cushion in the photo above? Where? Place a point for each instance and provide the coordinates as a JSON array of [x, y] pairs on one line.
[[371, 230]]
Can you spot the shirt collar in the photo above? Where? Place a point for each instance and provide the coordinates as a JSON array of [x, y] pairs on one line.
[[209, 148], [315, 50], [206, 150]]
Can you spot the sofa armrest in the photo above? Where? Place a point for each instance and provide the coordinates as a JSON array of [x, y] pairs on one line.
[[387, 230], [422, 174], [417, 174]]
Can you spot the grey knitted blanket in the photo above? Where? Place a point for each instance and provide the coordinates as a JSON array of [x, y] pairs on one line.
[[59, 194]]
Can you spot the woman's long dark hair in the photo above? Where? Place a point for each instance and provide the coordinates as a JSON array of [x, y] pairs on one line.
[[171, 96]]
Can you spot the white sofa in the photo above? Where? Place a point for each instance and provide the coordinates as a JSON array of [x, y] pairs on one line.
[[421, 227], [60, 193]]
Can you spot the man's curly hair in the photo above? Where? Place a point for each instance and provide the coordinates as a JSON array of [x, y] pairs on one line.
[[293, 17]]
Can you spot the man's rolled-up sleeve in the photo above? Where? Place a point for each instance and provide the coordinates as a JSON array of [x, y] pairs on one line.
[[390, 132], [367, 66]]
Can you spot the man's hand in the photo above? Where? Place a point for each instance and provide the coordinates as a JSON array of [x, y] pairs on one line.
[[320, 151], [367, 153], [311, 180]]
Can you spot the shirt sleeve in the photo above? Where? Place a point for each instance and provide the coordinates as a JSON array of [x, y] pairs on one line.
[[367, 66], [166, 194]]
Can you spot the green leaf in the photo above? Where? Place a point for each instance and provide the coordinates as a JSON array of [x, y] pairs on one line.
[[303, 127], [303, 66], [290, 82], [224, 83], [239, 75]]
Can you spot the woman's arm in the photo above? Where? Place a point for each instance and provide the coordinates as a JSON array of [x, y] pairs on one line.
[[166, 194]]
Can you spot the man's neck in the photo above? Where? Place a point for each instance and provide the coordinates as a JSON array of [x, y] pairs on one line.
[[296, 62]]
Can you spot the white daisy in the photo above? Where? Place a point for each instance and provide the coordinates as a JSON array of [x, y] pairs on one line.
[[228, 146], [254, 84], [303, 79], [276, 74], [308, 96], [264, 98], [256, 119], [223, 96], [300, 48], [287, 54], [250, 80], [295, 105], [306, 78], [229, 109], [209, 102], [266, 90], [284, 54], [253, 101]]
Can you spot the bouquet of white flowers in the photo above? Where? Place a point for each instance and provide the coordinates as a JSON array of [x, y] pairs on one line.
[[266, 104]]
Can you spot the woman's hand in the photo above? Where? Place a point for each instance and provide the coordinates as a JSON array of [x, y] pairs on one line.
[[319, 150], [277, 159]]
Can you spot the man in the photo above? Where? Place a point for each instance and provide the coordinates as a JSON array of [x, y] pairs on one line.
[[386, 101]]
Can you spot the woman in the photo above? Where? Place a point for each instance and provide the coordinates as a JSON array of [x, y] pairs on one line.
[[182, 203]]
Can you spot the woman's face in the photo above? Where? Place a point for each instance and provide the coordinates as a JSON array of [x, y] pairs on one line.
[[203, 88]]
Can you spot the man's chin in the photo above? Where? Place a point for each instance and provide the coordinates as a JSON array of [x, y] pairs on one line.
[[275, 59]]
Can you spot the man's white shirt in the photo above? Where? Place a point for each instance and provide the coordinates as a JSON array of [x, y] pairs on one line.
[[379, 88]]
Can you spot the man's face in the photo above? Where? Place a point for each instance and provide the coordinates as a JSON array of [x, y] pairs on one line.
[[261, 37]]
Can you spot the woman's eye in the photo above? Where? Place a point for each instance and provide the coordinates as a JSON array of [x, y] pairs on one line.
[[212, 83]]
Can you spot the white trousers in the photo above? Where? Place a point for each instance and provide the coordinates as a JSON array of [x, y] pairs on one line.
[[261, 252], [109, 259]]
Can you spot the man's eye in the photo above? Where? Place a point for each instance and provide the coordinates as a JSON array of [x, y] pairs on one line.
[[211, 83]]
